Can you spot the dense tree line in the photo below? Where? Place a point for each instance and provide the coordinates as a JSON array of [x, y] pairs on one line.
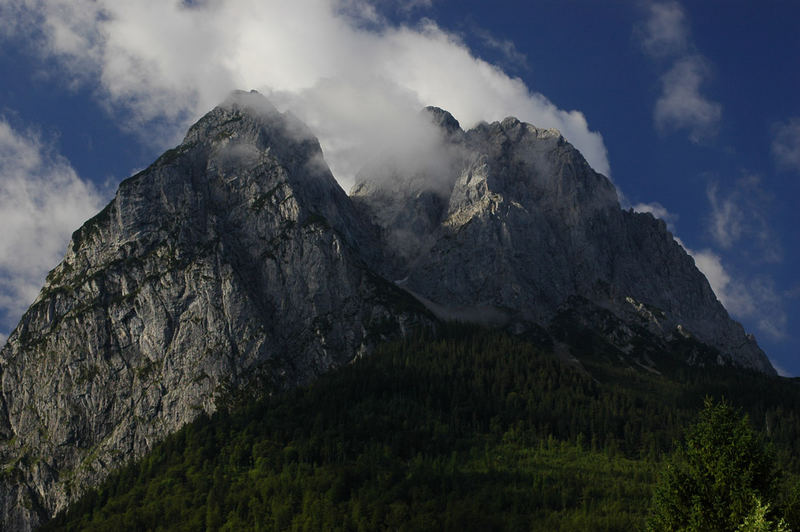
[[470, 430]]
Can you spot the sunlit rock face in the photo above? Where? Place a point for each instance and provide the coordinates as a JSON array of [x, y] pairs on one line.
[[235, 258], [235, 263]]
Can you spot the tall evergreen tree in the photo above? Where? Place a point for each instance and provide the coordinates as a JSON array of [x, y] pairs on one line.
[[722, 473]]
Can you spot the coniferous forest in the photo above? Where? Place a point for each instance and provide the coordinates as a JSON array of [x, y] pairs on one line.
[[470, 429]]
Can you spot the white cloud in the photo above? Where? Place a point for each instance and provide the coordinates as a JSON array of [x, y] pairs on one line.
[[739, 218], [727, 218], [659, 211], [369, 11], [768, 311], [738, 221], [755, 300], [710, 264], [507, 49], [665, 32], [681, 106], [781, 371], [42, 201], [786, 145], [414, 4], [158, 62]]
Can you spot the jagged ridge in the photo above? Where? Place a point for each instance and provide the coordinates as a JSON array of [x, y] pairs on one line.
[[522, 223]]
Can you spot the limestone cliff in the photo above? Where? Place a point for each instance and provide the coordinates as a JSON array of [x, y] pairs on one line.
[[235, 257], [522, 223]]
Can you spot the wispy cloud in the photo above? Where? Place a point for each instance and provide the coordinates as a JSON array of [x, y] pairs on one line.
[[793, 292], [746, 297], [726, 218], [681, 105], [754, 299], [786, 145], [781, 371], [166, 62], [42, 201], [738, 224], [739, 217], [664, 32], [710, 264], [659, 211], [411, 5], [739, 213], [510, 54]]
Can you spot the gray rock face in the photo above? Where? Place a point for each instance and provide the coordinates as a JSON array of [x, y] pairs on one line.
[[235, 262], [234, 257], [524, 224]]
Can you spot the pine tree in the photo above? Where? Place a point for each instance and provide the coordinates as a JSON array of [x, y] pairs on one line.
[[714, 480]]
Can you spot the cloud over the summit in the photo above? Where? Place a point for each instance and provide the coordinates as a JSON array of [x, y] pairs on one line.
[[42, 201], [167, 59]]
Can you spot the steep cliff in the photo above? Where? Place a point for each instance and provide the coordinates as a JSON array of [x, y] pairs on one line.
[[522, 224], [234, 258]]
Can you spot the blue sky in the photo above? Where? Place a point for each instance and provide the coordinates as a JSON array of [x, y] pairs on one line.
[[692, 109]]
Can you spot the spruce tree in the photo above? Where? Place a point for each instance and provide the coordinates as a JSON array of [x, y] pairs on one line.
[[714, 481]]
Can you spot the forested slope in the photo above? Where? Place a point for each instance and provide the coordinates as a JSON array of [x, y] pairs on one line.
[[470, 430]]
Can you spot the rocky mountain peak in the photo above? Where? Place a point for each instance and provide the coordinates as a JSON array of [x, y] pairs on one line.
[[247, 124], [443, 120], [533, 167], [549, 229], [235, 263]]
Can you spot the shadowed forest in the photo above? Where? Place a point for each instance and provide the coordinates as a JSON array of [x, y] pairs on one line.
[[468, 430]]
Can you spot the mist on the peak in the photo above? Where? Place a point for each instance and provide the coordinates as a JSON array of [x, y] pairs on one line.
[[352, 75]]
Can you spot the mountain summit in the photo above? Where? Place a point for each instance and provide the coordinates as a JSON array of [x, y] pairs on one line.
[[521, 226], [235, 262]]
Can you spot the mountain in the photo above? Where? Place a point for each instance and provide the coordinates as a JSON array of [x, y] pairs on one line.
[[234, 258], [236, 264], [521, 225]]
